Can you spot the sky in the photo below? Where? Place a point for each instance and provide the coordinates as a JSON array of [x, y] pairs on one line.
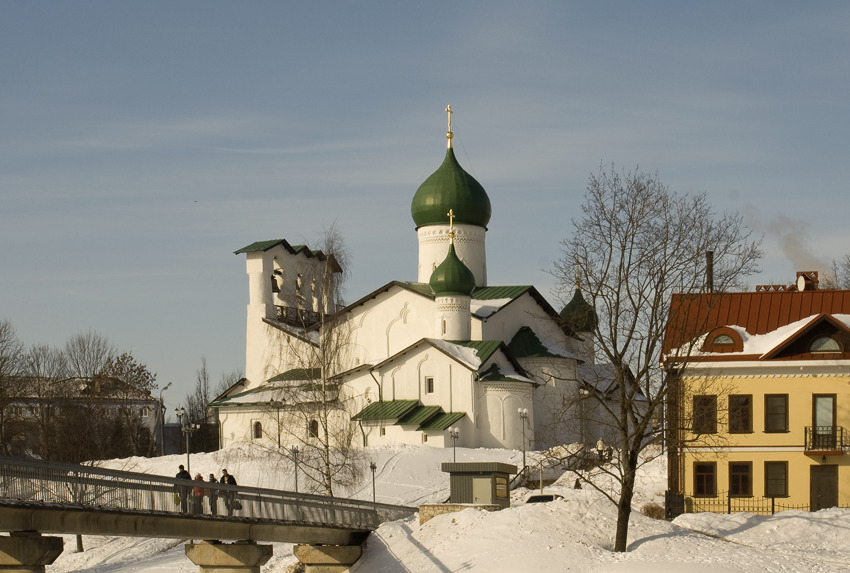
[[141, 144]]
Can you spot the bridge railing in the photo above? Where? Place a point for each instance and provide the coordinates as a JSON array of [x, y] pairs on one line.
[[86, 486]]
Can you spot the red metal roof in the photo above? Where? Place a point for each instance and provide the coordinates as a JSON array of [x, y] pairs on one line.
[[757, 312]]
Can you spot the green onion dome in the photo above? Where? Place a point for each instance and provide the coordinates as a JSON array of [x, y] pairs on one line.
[[452, 276], [579, 315], [450, 187]]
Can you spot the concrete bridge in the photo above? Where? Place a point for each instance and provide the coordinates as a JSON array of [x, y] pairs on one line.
[[44, 497]]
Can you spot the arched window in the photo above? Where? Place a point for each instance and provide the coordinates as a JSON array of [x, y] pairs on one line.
[[314, 429], [257, 431], [825, 344], [723, 339]]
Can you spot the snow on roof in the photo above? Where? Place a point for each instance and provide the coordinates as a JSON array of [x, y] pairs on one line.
[[761, 344], [462, 354], [262, 394], [555, 348], [485, 308]]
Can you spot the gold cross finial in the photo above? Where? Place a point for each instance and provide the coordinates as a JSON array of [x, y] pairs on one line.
[[449, 132], [451, 215]]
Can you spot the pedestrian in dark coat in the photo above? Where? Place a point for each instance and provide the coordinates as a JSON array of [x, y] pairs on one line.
[[229, 496], [182, 491], [212, 494]]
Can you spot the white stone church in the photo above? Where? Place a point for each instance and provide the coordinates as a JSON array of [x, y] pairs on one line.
[[446, 354]]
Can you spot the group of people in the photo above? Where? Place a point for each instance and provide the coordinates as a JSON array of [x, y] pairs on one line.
[[191, 497]]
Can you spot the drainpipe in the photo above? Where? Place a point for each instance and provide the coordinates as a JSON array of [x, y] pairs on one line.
[[362, 431], [378, 384]]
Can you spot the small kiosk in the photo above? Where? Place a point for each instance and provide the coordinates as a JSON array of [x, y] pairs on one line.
[[480, 483]]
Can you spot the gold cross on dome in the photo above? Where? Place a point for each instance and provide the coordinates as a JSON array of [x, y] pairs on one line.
[[449, 132], [451, 215]]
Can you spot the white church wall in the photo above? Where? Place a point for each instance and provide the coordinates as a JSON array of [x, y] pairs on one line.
[[269, 352], [407, 379], [390, 323], [523, 311], [469, 246], [498, 422]]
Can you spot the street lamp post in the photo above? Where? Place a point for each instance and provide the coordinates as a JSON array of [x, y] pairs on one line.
[[187, 429], [454, 434], [523, 416], [294, 451], [373, 467], [162, 420], [583, 395]]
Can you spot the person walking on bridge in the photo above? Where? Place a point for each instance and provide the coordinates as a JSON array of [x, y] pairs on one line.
[[213, 495], [182, 491], [229, 496], [198, 494]]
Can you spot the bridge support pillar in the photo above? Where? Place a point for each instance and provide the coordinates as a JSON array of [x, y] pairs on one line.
[[327, 558], [28, 552], [239, 557]]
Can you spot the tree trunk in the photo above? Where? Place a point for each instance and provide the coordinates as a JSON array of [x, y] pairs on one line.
[[624, 507]]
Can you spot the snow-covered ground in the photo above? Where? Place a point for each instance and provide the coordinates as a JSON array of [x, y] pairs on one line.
[[573, 534]]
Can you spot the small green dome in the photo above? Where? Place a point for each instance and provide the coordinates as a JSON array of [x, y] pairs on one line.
[[579, 315], [450, 187], [452, 276]]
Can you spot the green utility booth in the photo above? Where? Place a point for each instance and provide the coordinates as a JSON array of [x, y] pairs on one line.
[[484, 483]]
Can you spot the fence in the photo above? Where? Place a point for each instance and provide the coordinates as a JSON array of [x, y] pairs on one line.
[[677, 504], [83, 486]]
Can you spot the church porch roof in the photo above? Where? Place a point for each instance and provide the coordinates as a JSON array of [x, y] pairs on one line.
[[441, 421], [392, 410]]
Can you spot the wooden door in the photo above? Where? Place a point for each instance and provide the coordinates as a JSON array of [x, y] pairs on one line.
[[823, 487]]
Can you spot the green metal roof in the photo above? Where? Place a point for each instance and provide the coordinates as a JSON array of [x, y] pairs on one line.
[[494, 374], [391, 410], [259, 246], [297, 374], [418, 415], [450, 187], [229, 400], [452, 276], [262, 246], [421, 288], [497, 292], [579, 314], [483, 348], [441, 421], [526, 344]]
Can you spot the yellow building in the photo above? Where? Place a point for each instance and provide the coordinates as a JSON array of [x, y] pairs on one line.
[[759, 410]]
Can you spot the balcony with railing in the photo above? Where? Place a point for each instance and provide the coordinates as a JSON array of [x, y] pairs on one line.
[[299, 317], [825, 440]]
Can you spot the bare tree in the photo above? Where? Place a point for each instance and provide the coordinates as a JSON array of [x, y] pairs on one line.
[[838, 276], [88, 353], [45, 370], [636, 243], [129, 381], [196, 402], [315, 417], [11, 350], [227, 380]]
